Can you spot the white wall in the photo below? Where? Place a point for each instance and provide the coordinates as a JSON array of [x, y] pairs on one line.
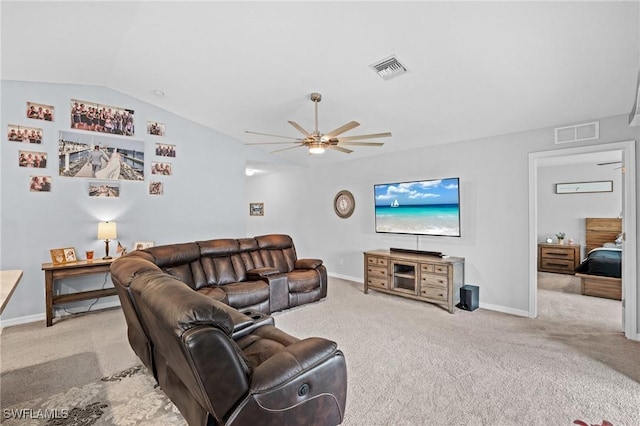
[[567, 212], [203, 199], [494, 207]]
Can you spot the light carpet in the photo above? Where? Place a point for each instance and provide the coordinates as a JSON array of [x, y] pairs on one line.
[[408, 362]]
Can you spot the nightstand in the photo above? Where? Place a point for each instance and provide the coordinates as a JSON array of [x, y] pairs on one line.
[[558, 258]]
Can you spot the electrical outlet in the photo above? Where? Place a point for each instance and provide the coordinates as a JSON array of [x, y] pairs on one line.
[[342, 260]]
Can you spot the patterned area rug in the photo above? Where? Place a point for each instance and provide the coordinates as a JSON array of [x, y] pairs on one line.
[[130, 397]]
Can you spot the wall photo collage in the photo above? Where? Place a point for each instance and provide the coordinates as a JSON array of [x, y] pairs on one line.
[[100, 146]]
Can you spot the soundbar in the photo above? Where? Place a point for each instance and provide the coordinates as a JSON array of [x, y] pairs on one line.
[[425, 252]]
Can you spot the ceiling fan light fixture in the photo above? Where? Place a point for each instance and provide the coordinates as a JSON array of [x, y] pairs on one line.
[[316, 148]]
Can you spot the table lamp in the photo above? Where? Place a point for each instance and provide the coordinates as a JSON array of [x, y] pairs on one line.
[[107, 231]]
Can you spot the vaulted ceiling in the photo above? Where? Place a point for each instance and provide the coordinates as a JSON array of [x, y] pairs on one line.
[[475, 69]]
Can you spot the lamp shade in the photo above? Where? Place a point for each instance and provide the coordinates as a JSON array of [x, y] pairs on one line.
[[107, 231]]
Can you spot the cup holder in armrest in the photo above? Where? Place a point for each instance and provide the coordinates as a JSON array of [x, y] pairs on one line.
[[257, 318]]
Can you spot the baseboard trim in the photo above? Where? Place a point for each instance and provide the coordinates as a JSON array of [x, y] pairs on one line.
[[344, 277], [504, 309], [58, 313]]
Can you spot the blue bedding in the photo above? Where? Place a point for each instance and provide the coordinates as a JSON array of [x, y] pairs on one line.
[[604, 262]]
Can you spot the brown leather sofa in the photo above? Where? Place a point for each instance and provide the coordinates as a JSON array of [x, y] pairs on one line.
[[162, 293], [223, 367], [261, 274]]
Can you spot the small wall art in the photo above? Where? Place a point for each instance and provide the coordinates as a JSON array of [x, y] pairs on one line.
[[95, 117], [584, 187], [32, 159], [40, 183], [24, 134], [256, 209], [155, 128], [156, 188], [158, 168], [40, 111], [164, 150], [104, 189]]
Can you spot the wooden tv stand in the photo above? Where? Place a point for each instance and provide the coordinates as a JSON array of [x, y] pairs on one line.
[[427, 278]]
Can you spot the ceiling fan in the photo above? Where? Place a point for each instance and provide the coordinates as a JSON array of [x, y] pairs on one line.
[[317, 142]]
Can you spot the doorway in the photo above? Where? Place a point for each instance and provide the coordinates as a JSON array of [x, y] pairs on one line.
[[629, 273]]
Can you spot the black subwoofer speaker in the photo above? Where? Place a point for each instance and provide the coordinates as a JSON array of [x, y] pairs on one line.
[[469, 295]]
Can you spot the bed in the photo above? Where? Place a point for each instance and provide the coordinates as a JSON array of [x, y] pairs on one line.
[[600, 272]]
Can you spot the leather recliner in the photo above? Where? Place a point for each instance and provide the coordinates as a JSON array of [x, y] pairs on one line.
[[217, 376]]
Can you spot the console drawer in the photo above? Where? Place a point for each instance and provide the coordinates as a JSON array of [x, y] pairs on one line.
[[377, 272], [437, 293], [377, 282], [377, 261], [427, 267], [438, 281]]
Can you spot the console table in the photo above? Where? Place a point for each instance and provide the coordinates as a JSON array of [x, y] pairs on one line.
[[422, 277], [53, 272]]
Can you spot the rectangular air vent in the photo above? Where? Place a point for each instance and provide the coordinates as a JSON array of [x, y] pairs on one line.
[[389, 68], [578, 132]]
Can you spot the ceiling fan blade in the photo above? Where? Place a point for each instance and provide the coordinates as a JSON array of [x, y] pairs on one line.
[[269, 143], [299, 127], [341, 149], [350, 125], [284, 149], [610, 162], [361, 143], [268, 134], [371, 136]]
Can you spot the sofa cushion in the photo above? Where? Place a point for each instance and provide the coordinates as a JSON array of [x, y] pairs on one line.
[[221, 262], [246, 293], [302, 281], [177, 260], [216, 293], [277, 251], [263, 343]]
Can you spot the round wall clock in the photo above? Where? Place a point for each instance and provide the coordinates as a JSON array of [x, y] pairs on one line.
[[344, 204]]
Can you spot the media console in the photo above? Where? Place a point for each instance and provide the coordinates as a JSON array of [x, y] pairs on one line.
[[429, 278]]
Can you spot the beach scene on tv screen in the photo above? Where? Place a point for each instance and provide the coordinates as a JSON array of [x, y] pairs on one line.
[[428, 207]]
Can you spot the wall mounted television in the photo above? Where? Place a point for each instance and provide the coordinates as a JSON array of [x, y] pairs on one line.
[[423, 207]]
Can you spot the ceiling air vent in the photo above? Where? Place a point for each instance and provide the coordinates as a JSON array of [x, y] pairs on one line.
[[389, 68], [578, 132]]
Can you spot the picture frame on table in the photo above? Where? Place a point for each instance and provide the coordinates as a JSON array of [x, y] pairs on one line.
[[61, 256]]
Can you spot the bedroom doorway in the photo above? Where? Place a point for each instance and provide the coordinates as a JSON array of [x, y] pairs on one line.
[[626, 151]]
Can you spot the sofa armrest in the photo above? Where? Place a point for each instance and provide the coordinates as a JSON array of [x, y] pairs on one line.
[[292, 361], [261, 272], [308, 263], [240, 320]]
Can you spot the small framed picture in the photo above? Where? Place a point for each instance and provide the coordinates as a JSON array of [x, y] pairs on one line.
[[24, 134], [155, 128], [39, 111], [158, 168], [156, 188], [61, 256], [141, 245], [256, 209], [165, 150], [104, 189], [40, 183], [32, 159]]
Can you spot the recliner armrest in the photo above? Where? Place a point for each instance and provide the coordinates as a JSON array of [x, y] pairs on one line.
[[291, 362], [308, 263], [262, 272]]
